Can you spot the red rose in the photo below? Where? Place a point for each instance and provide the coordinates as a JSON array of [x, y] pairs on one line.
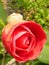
[[24, 41]]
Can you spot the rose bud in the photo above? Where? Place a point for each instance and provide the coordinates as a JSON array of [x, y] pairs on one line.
[[14, 18], [24, 41]]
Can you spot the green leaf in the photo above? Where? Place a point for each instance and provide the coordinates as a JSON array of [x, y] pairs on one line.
[[44, 56], [8, 58], [36, 62], [1, 23], [1, 47], [3, 14], [33, 62], [1, 26], [47, 33]]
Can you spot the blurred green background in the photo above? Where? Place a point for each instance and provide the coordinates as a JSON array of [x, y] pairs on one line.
[[37, 10]]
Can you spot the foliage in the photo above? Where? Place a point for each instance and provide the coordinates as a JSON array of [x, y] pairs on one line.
[[3, 17], [3, 14], [39, 10], [44, 57]]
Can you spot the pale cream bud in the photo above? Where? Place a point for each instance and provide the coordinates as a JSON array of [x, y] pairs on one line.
[[15, 18]]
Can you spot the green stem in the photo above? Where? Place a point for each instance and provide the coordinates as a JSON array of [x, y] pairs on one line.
[[3, 60]]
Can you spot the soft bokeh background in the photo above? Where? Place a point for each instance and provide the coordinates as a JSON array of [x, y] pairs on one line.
[[37, 10]]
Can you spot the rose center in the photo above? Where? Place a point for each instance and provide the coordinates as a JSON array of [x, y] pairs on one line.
[[23, 41], [27, 41]]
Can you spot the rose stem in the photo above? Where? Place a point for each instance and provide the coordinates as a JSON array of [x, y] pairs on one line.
[[3, 60]]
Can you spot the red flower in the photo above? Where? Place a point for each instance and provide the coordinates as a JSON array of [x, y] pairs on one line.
[[24, 41]]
